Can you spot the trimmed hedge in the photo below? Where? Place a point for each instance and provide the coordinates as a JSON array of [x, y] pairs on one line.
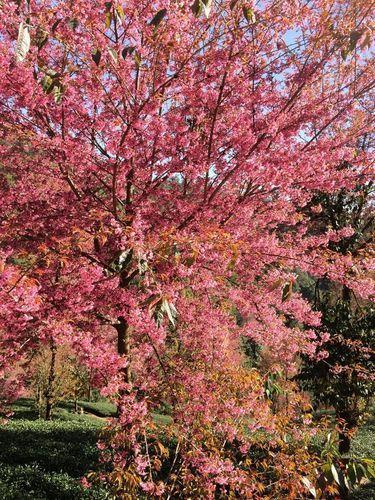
[[42, 460], [31, 482]]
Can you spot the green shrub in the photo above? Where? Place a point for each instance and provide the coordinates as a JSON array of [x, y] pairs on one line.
[[66, 446], [31, 482], [45, 460], [363, 444]]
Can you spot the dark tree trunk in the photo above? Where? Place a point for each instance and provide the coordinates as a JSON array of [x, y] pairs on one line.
[[89, 388], [51, 379], [348, 416], [40, 402], [123, 349], [344, 443], [123, 345], [350, 420], [346, 294]]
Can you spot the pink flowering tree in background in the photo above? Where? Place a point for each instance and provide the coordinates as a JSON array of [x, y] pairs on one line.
[[156, 158]]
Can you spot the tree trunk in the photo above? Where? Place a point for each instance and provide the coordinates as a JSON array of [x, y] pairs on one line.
[[350, 419], [89, 388], [123, 349], [344, 443], [40, 401], [51, 379], [123, 346], [346, 294]]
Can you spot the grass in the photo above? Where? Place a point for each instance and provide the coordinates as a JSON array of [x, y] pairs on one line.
[[102, 409], [105, 409]]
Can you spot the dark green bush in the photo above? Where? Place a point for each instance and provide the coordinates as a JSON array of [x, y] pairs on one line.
[[31, 482], [45, 460], [56, 446]]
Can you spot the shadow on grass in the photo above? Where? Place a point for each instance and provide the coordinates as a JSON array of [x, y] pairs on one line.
[[25, 408]]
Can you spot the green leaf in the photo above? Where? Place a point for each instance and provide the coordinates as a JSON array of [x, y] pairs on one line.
[[249, 15], [200, 6], [120, 12], [309, 486], [125, 259], [170, 310], [96, 56], [287, 291], [197, 8], [113, 54], [335, 474], [57, 91], [354, 37], [371, 472], [52, 85], [207, 5], [108, 19], [137, 58], [73, 23], [127, 51], [361, 472], [326, 468], [142, 266], [23, 42], [47, 84], [369, 464], [108, 14], [347, 483], [157, 19]]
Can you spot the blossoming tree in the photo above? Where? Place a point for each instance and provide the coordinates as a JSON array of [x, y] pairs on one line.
[[155, 158]]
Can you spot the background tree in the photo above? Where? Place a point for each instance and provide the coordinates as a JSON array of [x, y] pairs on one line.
[[55, 376], [342, 377]]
